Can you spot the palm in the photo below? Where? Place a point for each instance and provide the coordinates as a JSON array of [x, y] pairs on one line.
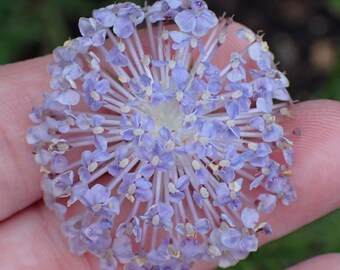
[[29, 233]]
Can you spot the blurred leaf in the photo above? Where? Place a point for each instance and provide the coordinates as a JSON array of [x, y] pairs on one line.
[[334, 7], [331, 90], [31, 28]]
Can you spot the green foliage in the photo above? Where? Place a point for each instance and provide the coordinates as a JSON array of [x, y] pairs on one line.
[[331, 89], [334, 7]]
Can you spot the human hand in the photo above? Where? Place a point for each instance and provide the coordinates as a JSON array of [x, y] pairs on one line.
[[30, 234]]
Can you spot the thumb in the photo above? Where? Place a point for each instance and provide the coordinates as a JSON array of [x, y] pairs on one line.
[[326, 262]]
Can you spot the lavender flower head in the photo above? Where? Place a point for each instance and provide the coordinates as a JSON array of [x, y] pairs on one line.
[[154, 157]]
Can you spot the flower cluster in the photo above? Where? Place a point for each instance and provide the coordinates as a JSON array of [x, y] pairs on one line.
[[156, 149]]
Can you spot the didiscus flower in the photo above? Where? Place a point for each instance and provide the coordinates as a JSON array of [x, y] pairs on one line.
[[153, 156]]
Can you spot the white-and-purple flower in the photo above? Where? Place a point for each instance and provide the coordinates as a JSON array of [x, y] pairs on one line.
[[151, 154]]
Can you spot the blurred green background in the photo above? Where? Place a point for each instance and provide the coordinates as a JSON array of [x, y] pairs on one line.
[[304, 36]]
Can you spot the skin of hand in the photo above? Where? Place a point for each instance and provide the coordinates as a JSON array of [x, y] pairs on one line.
[[30, 236]]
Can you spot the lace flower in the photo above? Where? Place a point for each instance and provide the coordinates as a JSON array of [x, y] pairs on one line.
[[154, 157]]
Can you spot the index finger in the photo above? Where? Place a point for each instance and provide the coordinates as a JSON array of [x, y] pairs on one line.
[[22, 85]]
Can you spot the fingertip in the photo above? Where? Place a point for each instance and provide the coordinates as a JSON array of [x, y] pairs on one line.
[[22, 84], [325, 262], [316, 167], [206, 265]]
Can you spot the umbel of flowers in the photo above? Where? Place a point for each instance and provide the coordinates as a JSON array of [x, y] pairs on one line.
[[154, 157]]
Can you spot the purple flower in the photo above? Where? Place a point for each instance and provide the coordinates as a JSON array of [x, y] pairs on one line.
[[122, 248], [249, 217], [271, 131], [120, 162], [231, 162], [231, 238], [93, 30], [198, 19], [241, 102], [132, 227], [222, 194], [266, 203], [139, 125], [135, 186], [204, 145], [85, 235], [123, 17], [117, 58], [181, 40], [108, 262], [90, 163], [158, 158], [162, 10], [237, 72], [283, 189], [60, 186], [174, 3], [191, 250], [99, 202], [164, 158], [176, 190], [160, 216]]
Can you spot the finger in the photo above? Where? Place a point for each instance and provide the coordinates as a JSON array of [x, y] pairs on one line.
[[325, 262], [314, 180], [316, 168], [32, 240], [22, 87]]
